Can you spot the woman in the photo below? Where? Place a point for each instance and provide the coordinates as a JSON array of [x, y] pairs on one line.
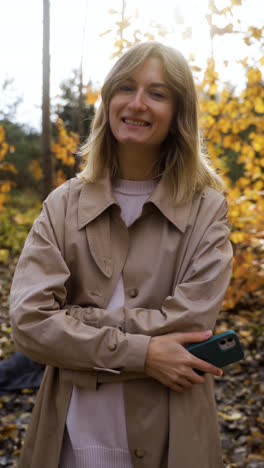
[[127, 264]]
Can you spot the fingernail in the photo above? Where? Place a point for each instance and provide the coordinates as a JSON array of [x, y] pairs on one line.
[[220, 373], [207, 333]]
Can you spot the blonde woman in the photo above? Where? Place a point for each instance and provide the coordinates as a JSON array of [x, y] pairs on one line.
[[126, 264]]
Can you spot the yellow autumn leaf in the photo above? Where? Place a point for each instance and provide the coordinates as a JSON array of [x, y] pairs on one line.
[[236, 127], [235, 416], [11, 149], [255, 32], [213, 89], [5, 187], [243, 181], [253, 75], [20, 219], [60, 178], [71, 161], [4, 254], [245, 333], [248, 151], [207, 121], [258, 185], [36, 169], [249, 166], [213, 108], [234, 192], [3, 150], [8, 167], [2, 134], [258, 142], [237, 236], [235, 146], [245, 106], [232, 108], [225, 95], [259, 105], [247, 40], [224, 125], [91, 95]]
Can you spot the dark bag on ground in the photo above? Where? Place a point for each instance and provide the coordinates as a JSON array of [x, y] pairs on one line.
[[19, 372]]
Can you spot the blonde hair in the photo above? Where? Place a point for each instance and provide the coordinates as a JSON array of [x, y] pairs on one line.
[[182, 161]]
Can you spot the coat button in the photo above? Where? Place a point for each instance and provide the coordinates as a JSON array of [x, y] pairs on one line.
[[139, 453], [112, 346], [133, 292]]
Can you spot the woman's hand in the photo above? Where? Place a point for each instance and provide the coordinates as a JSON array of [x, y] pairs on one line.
[[169, 362]]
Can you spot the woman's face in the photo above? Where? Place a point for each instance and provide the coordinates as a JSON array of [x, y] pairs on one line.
[[142, 109]]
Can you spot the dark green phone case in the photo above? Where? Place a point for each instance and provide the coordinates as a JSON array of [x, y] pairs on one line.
[[220, 350]]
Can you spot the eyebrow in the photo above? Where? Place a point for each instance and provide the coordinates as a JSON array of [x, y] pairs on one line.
[[154, 84]]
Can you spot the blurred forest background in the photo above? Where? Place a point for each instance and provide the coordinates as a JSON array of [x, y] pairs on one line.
[[32, 163]]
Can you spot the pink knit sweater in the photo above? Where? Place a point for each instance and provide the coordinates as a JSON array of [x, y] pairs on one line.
[[95, 433]]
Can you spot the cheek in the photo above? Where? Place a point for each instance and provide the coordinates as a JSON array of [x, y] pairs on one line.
[[170, 118], [166, 119], [114, 110], [111, 111], [111, 116]]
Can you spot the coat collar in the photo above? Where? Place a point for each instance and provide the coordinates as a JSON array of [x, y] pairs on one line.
[[177, 214], [96, 197]]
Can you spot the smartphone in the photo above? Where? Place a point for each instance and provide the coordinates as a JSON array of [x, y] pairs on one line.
[[220, 350]]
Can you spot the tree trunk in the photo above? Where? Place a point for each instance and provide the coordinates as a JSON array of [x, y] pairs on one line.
[[80, 118], [46, 127]]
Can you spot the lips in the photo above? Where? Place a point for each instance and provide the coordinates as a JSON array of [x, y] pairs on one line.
[[135, 122]]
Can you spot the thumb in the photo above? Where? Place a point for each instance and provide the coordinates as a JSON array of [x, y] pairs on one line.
[[193, 337]]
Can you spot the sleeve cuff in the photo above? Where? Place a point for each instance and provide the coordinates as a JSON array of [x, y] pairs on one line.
[[137, 351]]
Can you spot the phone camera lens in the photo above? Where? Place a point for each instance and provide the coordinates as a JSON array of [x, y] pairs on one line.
[[230, 339], [222, 342]]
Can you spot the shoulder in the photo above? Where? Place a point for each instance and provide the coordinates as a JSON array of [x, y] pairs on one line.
[[209, 207], [65, 193], [60, 205], [65, 189], [212, 198]]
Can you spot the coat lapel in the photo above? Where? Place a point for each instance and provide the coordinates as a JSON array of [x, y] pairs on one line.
[[98, 236], [177, 213], [94, 214]]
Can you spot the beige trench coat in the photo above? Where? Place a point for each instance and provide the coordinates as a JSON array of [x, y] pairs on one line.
[[176, 264]]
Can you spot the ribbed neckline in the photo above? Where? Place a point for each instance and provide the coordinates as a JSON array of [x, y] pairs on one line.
[[134, 187]]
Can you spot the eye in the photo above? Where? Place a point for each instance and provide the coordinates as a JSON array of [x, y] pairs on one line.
[[126, 88], [157, 94]]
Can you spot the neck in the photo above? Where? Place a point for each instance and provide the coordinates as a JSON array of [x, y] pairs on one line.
[[137, 163]]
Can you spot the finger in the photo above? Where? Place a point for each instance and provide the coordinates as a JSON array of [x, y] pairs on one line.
[[206, 367], [170, 383], [183, 382], [176, 388], [195, 378], [193, 337]]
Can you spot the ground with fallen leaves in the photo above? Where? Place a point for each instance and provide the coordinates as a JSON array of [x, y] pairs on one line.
[[239, 392]]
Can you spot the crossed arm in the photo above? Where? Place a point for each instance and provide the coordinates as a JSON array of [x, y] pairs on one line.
[[77, 338]]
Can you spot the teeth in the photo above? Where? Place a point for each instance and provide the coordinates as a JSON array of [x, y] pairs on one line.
[[135, 122]]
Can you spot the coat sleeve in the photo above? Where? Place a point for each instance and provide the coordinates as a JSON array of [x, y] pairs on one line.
[[42, 327], [198, 296], [52, 332]]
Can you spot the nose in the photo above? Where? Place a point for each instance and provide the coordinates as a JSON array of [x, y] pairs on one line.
[[137, 101]]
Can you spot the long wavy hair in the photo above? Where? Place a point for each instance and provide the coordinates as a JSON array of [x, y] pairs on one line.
[[182, 160]]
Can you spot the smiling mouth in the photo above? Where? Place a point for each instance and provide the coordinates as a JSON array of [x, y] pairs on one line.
[[137, 123]]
